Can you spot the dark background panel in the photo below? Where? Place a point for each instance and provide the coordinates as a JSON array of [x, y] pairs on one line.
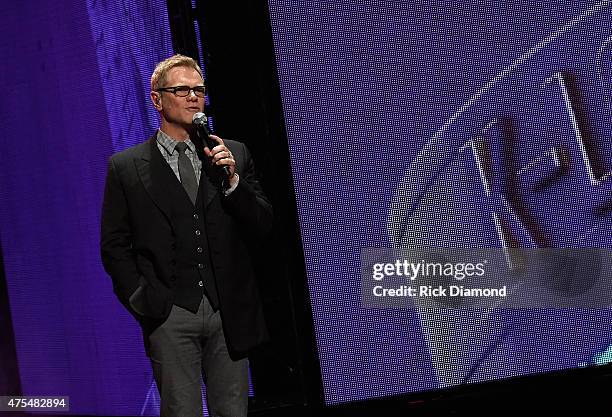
[[9, 369], [245, 104]]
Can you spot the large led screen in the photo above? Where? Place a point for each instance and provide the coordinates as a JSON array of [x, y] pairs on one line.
[[449, 124]]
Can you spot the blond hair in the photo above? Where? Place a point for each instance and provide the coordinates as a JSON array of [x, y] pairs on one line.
[[158, 78]]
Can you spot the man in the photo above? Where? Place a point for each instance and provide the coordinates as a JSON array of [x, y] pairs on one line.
[[175, 239]]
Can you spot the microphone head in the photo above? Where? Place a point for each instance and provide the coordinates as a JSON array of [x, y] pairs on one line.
[[199, 119]]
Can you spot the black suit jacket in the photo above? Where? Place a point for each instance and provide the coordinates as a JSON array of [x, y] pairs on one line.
[[137, 239]]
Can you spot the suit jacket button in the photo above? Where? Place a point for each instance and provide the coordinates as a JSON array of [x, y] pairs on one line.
[[199, 249], [197, 232], [201, 266], [196, 217], [201, 284]]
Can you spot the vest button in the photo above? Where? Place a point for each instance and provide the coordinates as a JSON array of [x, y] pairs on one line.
[[201, 284], [199, 249], [197, 232], [201, 266], [196, 217]]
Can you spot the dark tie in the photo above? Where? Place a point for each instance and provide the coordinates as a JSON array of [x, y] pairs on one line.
[[186, 172]]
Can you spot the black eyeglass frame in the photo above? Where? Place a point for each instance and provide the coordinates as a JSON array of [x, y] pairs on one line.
[[199, 91]]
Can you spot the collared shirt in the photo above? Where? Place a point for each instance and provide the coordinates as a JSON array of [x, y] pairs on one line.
[[167, 147]]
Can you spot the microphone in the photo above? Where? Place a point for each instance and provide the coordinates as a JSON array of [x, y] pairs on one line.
[[200, 121]]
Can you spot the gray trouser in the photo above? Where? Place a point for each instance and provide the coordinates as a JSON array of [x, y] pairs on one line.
[[188, 346]]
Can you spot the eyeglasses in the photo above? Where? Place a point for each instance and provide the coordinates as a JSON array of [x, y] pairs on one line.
[[184, 90]]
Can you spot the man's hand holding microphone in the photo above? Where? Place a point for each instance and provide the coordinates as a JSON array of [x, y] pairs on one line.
[[215, 149]]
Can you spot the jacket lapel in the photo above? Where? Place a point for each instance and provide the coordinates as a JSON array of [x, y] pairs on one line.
[[208, 190], [157, 177], [208, 179]]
